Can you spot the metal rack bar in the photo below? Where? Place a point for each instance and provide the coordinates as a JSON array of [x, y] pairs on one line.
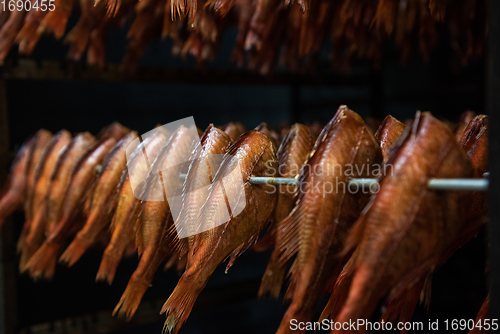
[[435, 184]]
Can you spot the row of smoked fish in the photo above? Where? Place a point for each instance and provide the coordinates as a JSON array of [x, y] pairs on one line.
[[288, 32], [361, 248]]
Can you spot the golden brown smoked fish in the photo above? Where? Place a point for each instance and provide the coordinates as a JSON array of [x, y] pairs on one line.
[[387, 134], [326, 209], [103, 202], [129, 206], [41, 140], [234, 130], [254, 154], [155, 221], [61, 178], [13, 192], [406, 227], [63, 212], [262, 127], [212, 146], [293, 152], [36, 233]]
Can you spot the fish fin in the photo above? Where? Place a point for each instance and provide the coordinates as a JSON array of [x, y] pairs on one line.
[[402, 308], [43, 263], [289, 244], [339, 294], [179, 245], [240, 250], [75, 251], [131, 298], [267, 241], [273, 278], [292, 281], [180, 303], [109, 263]]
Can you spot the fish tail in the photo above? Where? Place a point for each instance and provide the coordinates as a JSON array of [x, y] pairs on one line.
[[180, 303], [294, 312], [43, 262], [401, 309], [338, 296], [55, 22], [109, 263], [131, 298], [75, 250], [360, 300], [273, 278]]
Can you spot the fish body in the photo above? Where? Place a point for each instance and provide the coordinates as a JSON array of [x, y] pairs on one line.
[[326, 209], [155, 221], [292, 153], [254, 155], [406, 227], [63, 197], [103, 200], [129, 204], [41, 140], [36, 231], [234, 130], [212, 146], [13, 192], [387, 134]]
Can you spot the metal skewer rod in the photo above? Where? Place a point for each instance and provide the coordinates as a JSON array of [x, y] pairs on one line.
[[435, 184]]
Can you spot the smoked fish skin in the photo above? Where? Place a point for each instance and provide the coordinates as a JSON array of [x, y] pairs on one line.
[[129, 206], [292, 153], [69, 182], [103, 201], [406, 227], [255, 155], [13, 192], [155, 221], [234, 130], [36, 232], [212, 146], [41, 140], [387, 134], [326, 209]]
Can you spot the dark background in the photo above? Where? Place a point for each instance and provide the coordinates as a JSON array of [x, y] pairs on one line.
[[229, 303]]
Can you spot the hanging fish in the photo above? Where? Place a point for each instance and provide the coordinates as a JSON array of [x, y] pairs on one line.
[[36, 230], [103, 201], [252, 155]]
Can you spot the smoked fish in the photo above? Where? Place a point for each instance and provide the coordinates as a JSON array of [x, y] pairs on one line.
[[129, 205], [292, 153], [36, 230], [155, 221], [252, 155], [13, 192], [405, 229], [103, 201], [69, 182], [387, 134], [326, 209]]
